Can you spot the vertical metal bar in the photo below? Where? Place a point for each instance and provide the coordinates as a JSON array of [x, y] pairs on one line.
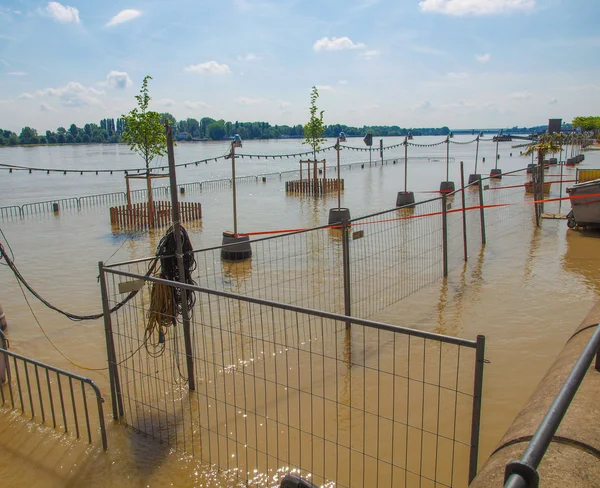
[[62, 402], [541, 162], [476, 413], [100, 401], [477, 156], [447, 158], [19, 384], [405, 163], [113, 373], [560, 192], [445, 234], [29, 389], [178, 239], [85, 409], [482, 214], [346, 269], [51, 399], [464, 212], [497, 141], [74, 407]]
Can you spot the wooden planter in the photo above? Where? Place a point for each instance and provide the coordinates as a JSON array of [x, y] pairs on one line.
[[135, 216], [313, 187]]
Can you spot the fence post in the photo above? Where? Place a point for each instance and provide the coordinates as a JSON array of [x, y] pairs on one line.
[[476, 413], [482, 213], [445, 234], [464, 212], [346, 268], [113, 374]]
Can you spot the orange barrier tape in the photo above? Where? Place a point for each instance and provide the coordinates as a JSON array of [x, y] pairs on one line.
[[433, 214]]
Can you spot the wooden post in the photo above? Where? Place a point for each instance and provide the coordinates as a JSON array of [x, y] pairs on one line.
[[128, 192], [150, 202]]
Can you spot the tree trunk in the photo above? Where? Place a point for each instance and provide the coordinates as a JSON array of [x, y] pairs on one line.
[[150, 201]]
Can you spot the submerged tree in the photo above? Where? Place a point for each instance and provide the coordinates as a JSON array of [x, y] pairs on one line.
[[314, 129], [143, 130], [145, 135]]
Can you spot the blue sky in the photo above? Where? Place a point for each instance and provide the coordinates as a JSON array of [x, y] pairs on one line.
[[413, 63]]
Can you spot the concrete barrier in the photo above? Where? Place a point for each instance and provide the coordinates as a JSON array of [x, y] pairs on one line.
[[573, 457]]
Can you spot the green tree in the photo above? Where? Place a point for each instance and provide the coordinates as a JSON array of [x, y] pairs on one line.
[[61, 131], [29, 136], [314, 129], [143, 131], [73, 130], [216, 130]]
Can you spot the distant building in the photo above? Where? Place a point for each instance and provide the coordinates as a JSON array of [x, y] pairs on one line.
[[554, 126]]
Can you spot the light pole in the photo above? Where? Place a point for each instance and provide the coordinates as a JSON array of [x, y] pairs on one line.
[[235, 247], [495, 172], [405, 198], [475, 178], [337, 215], [447, 186]]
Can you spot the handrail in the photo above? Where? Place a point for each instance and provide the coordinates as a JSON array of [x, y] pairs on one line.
[[34, 383], [523, 473]]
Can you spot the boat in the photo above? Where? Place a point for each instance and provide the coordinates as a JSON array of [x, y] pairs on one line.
[[585, 204], [503, 138]]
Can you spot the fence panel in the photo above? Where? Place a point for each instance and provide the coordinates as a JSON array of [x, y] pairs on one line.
[[279, 387], [51, 396]]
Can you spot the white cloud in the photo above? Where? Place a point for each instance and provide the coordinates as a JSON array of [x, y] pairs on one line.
[[483, 58], [166, 102], [336, 44], [16, 73], [73, 94], [520, 95], [251, 101], [283, 105], [325, 88], [124, 16], [475, 7], [25, 96], [44, 107], [63, 13], [211, 67], [195, 105], [423, 106], [118, 79], [372, 54], [248, 57], [553, 101], [343, 82]]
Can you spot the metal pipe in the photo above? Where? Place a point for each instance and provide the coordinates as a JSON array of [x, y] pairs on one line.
[[444, 235], [497, 141], [464, 212], [295, 308], [405, 163], [542, 438], [178, 239], [476, 154], [448, 158], [477, 397], [339, 190], [482, 213], [346, 266]]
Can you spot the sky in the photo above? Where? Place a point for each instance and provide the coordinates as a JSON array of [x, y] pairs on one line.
[[411, 63]]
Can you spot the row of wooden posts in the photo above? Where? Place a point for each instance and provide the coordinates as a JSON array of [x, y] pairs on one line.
[[136, 215], [313, 187]]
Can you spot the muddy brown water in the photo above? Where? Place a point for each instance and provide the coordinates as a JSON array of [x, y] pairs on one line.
[[526, 292]]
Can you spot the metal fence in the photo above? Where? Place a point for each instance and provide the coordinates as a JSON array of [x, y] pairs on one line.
[[140, 195], [523, 473], [51, 396], [277, 387]]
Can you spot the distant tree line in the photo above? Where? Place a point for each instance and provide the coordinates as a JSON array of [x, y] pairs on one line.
[[207, 129]]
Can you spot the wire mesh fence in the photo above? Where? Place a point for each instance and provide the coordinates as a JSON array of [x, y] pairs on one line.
[[51, 396], [278, 387]]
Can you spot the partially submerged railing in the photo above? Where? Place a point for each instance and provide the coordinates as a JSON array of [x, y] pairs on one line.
[[51, 396], [523, 473]]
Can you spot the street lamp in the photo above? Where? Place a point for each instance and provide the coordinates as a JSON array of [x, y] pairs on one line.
[[337, 215], [236, 247]]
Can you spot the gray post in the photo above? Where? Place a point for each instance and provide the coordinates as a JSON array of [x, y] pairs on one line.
[[464, 211], [541, 163], [477, 154], [346, 268], [113, 372], [448, 158], [476, 418], [445, 234], [482, 215], [177, 231], [405, 164], [561, 182]]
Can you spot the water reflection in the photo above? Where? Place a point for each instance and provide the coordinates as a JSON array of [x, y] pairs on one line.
[[582, 257]]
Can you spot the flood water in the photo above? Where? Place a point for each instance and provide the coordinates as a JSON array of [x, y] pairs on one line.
[[526, 291]]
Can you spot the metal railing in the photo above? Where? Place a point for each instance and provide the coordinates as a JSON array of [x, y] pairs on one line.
[[278, 387], [51, 396], [27, 209], [523, 473]]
